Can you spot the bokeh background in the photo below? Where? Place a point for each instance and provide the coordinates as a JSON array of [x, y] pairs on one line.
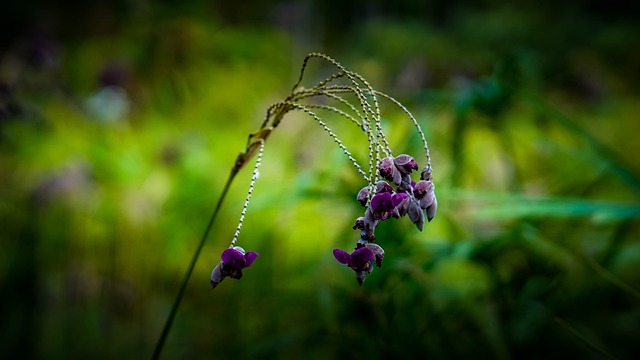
[[120, 120]]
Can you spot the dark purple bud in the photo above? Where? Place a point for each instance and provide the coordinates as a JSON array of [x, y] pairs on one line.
[[361, 276], [405, 163], [383, 186], [426, 173], [389, 171], [431, 209]]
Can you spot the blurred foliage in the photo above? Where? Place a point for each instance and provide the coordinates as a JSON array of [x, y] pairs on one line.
[[120, 121]]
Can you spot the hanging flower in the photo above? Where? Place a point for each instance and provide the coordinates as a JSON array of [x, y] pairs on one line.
[[234, 259], [359, 261]]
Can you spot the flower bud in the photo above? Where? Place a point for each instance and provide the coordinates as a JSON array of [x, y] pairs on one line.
[[362, 196], [431, 209], [383, 186], [416, 214], [389, 171], [426, 173], [216, 275], [406, 163], [421, 188]]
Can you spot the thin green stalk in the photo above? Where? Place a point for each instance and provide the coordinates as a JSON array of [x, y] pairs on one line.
[[196, 254]]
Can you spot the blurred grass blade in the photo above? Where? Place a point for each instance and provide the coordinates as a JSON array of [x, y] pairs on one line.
[[504, 205], [611, 278], [176, 304], [604, 153], [582, 339]]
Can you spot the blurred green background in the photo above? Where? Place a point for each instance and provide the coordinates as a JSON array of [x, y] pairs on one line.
[[119, 122]]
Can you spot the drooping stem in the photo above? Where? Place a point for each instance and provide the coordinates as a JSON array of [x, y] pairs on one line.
[[254, 177], [194, 259]]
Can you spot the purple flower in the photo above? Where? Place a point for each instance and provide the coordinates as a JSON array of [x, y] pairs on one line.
[[389, 171], [405, 163], [398, 200], [381, 205], [234, 259], [384, 205], [359, 261]]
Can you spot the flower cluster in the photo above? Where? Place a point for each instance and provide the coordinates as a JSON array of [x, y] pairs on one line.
[[417, 200], [390, 192]]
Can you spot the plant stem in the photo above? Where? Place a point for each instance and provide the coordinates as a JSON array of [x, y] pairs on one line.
[[196, 254]]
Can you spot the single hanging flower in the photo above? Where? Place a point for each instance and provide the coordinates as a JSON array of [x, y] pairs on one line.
[[234, 259], [359, 261]]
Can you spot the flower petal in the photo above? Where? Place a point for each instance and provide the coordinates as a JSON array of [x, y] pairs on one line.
[[342, 256], [398, 198], [362, 255], [431, 210], [216, 275], [416, 214], [231, 255], [377, 251], [250, 257], [381, 205]]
